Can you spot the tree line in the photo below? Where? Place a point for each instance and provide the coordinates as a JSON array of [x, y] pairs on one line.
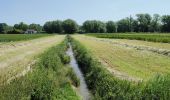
[[142, 23], [19, 28]]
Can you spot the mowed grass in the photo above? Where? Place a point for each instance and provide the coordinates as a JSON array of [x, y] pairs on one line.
[[16, 57], [134, 63], [49, 79], [157, 37], [19, 37]]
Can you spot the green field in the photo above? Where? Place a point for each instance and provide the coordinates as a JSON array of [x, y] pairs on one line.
[[50, 79], [156, 37], [114, 69], [117, 72], [19, 37]]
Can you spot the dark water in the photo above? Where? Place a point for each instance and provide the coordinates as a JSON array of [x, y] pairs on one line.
[[84, 92]]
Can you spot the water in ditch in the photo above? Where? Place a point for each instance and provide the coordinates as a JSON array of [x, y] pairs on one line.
[[83, 90]]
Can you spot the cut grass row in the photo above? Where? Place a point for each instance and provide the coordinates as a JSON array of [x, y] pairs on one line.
[[50, 79], [20, 37], [105, 86], [127, 61], [165, 38]]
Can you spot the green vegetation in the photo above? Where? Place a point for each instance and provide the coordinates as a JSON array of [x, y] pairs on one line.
[[165, 38], [105, 86], [66, 26], [19, 37], [48, 80]]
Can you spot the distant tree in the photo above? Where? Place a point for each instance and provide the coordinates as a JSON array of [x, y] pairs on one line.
[[123, 25], [48, 27], [36, 27], [57, 26], [94, 26], [3, 27], [166, 23], [70, 26], [135, 26], [144, 21], [111, 27], [21, 26], [155, 23]]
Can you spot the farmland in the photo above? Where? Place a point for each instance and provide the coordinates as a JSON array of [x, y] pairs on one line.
[[155, 37], [19, 37], [15, 56], [49, 78], [104, 63], [112, 68]]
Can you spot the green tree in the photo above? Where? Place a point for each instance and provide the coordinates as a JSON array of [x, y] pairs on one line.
[[57, 26], [123, 25], [48, 27], [3, 27], [144, 21], [111, 27], [36, 27], [70, 26], [21, 26], [166, 23], [94, 26], [155, 23]]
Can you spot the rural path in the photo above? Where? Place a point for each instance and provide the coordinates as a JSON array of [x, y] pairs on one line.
[[126, 62], [16, 58]]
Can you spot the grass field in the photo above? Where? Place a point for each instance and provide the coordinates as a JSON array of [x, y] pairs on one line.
[[15, 57], [49, 79], [19, 37], [127, 62], [108, 86], [156, 37]]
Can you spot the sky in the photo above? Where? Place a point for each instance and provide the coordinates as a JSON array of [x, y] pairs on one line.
[[40, 11]]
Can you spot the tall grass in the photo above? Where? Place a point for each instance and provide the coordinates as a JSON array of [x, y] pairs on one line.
[[105, 86], [48, 80], [165, 38], [19, 37]]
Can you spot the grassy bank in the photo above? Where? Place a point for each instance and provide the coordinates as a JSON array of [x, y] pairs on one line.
[[49, 79], [165, 38], [107, 87], [19, 37]]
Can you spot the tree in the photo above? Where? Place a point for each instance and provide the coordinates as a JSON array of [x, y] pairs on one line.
[[57, 26], [3, 27], [123, 25], [94, 26], [111, 27], [155, 23], [21, 26], [36, 27], [144, 21], [166, 23], [70, 26], [48, 27]]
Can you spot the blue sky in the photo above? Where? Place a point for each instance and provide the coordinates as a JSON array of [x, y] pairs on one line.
[[40, 11]]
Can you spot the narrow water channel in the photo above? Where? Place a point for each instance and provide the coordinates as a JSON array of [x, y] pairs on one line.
[[83, 90]]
